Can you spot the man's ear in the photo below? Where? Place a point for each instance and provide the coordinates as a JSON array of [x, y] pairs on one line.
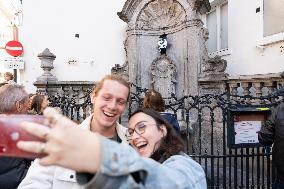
[[164, 130], [93, 97], [18, 106]]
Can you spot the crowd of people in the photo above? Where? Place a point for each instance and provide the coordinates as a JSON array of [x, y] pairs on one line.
[[100, 153]]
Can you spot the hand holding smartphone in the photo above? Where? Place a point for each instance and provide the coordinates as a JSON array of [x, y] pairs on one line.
[[11, 133]]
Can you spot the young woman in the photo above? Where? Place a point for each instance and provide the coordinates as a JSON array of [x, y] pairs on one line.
[[38, 103], [8, 77], [153, 99], [102, 163]]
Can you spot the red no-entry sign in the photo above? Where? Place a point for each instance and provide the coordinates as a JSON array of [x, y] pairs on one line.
[[14, 48]]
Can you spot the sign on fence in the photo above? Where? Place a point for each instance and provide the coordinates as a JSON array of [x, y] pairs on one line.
[[243, 126]]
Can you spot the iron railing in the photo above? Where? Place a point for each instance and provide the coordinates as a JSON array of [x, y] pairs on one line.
[[203, 120]]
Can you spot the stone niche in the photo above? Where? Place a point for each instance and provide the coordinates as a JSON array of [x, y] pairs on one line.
[[178, 70]]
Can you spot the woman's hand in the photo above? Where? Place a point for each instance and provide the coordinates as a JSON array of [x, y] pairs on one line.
[[66, 145]]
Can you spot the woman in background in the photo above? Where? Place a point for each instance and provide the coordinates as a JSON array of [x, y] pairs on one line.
[[8, 77], [38, 103], [153, 99]]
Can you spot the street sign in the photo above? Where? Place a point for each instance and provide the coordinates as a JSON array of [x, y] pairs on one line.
[[14, 48], [14, 63]]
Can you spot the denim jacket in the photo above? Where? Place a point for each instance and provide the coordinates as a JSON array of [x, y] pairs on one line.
[[122, 167]]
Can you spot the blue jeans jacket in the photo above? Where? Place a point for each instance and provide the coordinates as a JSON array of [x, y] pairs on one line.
[[122, 167]]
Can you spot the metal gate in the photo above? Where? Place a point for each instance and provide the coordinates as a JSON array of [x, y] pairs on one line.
[[204, 122]]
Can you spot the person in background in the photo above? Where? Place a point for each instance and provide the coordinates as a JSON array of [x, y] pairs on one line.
[[272, 132], [38, 103], [154, 100], [155, 160], [13, 100], [8, 77], [108, 105]]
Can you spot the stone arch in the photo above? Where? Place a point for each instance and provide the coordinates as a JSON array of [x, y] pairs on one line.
[[160, 15], [132, 8]]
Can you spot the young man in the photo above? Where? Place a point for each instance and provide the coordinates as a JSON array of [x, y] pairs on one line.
[[13, 100], [109, 100]]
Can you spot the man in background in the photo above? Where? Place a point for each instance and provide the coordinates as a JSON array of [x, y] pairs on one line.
[[13, 100]]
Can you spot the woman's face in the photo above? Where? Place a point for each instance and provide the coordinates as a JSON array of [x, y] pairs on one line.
[[7, 77], [145, 135], [45, 102]]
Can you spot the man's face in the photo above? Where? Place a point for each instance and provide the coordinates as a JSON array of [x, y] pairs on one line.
[[109, 103]]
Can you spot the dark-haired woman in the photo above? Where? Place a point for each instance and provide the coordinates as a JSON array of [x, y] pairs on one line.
[[159, 163], [38, 103], [153, 99]]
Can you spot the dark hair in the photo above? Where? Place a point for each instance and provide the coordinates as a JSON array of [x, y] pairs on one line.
[[37, 102], [153, 99], [171, 144]]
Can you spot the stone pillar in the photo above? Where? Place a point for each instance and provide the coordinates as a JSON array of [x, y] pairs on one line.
[[47, 59], [46, 78]]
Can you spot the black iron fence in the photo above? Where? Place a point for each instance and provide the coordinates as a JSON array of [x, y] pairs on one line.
[[203, 120]]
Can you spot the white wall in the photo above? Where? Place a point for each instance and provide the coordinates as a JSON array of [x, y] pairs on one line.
[[245, 33], [53, 24], [7, 19]]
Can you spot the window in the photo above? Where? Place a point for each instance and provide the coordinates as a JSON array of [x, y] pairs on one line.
[[217, 25], [212, 28], [224, 26], [273, 17]]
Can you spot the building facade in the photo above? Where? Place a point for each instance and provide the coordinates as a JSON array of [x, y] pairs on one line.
[[88, 37], [248, 34]]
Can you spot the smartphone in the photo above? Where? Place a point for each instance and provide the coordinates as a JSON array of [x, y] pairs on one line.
[[11, 133]]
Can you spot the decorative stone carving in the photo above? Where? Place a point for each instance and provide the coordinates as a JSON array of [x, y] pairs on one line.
[[202, 6], [203, 48], [214, 65], [252, 91], [161, 14], [163, 72], [120, 70], [47, 59], [240, 91], [265, 91]]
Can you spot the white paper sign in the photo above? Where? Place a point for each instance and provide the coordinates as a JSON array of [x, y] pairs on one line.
[[246, 131]]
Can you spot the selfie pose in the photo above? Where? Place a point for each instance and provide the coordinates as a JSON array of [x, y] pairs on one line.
[[108, 105], [155, 159]]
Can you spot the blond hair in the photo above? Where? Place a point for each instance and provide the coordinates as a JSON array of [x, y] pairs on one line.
[[111, 77]]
